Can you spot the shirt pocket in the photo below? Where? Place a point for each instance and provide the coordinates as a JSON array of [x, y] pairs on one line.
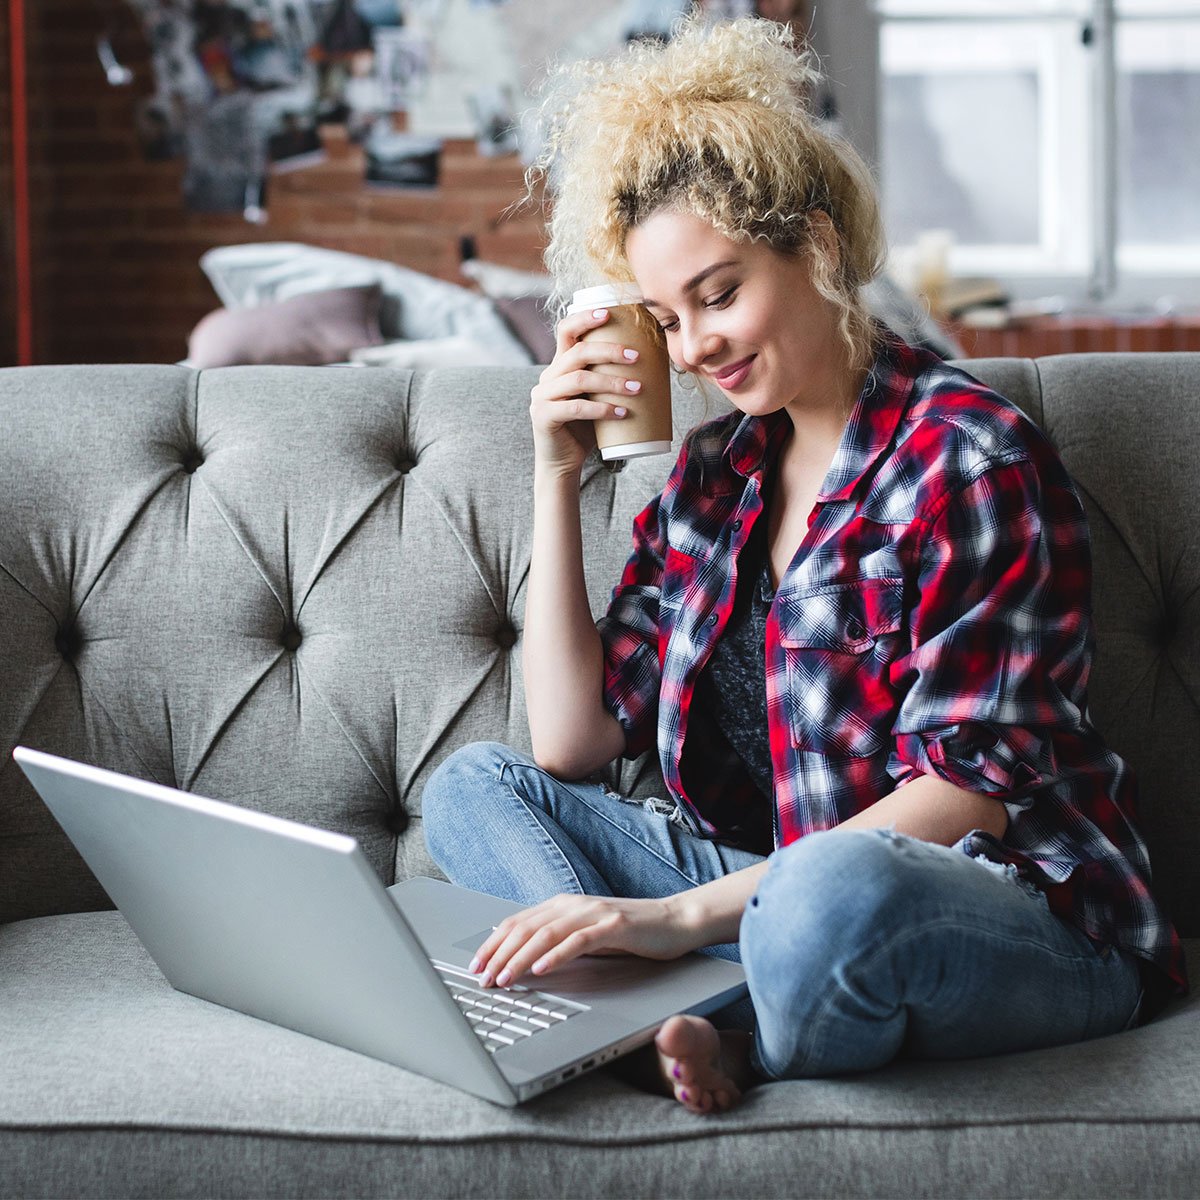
[[838, 642], [679, 575]]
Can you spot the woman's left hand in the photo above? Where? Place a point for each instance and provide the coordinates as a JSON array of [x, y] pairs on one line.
[[558, 930]]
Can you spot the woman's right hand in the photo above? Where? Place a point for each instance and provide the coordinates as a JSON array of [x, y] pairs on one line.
[[570, 394]]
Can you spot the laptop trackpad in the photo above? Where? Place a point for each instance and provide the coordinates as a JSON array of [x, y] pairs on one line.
[[472, 943]]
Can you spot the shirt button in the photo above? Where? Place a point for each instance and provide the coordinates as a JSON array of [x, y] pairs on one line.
[[854, 629], [737, 524], [713, 619]]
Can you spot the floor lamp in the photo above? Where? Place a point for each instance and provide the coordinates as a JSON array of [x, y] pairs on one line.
[[22, 271]]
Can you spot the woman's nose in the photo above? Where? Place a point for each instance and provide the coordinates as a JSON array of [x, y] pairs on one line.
[[696, 345]]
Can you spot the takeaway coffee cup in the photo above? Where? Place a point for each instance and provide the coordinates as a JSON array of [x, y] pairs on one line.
[[646, 427]]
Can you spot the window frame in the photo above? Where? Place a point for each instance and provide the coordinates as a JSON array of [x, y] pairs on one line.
[[1079, 256]]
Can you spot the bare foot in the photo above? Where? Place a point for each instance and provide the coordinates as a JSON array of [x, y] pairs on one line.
[[705, 1070]]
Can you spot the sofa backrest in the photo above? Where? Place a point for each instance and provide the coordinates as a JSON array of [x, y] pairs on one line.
[[298, 589]]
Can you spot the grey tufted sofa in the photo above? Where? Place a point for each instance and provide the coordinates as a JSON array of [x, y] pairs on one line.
[[298, 590]]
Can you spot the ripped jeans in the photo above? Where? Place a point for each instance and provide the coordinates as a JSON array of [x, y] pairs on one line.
[[859, 946]]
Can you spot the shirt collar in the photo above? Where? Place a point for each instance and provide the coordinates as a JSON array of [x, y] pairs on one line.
[[874, 419], [756, 441]]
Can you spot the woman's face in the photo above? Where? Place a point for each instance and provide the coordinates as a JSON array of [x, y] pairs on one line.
[[738, 313]]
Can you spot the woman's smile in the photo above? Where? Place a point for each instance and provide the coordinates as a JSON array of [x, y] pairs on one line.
[[732, 377]]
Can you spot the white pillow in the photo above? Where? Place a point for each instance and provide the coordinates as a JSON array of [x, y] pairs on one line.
[[245, 276], [506, 283]]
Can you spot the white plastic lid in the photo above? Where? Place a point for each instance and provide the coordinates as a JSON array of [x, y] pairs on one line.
[[605, 295], [635, 450]]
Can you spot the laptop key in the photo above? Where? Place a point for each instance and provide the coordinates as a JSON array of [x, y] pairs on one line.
[[519, 1010]]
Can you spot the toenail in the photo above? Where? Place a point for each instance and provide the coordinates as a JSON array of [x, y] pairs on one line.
[[683, 1094], [676, 1071]]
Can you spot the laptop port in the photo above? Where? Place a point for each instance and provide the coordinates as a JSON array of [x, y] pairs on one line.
[[569, 1072], [587, 1066]]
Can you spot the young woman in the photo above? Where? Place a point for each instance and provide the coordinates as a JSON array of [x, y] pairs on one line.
[[855, 622]]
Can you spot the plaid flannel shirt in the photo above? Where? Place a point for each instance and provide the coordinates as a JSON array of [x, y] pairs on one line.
[[936, 619]]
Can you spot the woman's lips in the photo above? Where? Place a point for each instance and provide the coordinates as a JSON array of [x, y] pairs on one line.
[[734, 375]]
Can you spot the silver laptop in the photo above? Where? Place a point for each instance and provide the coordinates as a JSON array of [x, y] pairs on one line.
[[290, 924]]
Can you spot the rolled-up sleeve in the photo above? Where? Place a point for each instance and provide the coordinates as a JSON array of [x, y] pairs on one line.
[[1000, 636]]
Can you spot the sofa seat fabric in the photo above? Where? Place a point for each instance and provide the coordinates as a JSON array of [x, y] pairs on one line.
[[117, 1085]]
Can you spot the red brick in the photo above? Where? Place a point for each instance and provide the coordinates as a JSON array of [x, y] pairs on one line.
[[1149, 335]]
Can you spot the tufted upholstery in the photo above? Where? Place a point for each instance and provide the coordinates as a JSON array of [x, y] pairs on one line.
[[292, 589], [299, 589]]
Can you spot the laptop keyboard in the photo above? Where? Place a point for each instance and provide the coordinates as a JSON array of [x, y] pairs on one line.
[[505, 1016]]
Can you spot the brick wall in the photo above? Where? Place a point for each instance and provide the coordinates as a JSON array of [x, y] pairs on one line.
[[116, 275], [1080, 335]]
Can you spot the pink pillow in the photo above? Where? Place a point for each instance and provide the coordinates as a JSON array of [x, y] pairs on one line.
[[308, 330]]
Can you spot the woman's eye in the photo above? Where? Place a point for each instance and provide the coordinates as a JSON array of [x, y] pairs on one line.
[[722, 300], [668, 326]]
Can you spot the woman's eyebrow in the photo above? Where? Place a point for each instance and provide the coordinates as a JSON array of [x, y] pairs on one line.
[[695, 281]]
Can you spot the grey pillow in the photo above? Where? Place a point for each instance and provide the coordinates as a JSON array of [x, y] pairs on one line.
[[526, 316], [308, 330]]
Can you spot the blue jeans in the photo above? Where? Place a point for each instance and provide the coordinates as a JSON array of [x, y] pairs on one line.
[[859, 946]]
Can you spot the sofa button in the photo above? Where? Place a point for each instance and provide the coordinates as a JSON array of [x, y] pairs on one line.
[[68, 641], [192, 460], [404, 465], [506, 637], [290, 639]]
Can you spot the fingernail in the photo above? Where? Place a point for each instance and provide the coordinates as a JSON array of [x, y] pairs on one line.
[[619, 411], [676, 1072], [631, 355], [486, 980], [632, 385], [474, 967], [539, 966], [600, 312], [504, 978]]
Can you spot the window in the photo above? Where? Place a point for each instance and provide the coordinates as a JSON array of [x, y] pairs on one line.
[[1058, 141]]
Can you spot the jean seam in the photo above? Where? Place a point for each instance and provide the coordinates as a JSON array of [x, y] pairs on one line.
[[666, 862], [554, 847]]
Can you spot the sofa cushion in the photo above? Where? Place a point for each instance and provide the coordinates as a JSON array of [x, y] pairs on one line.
[[289, 588], [116, 1085], [1128, 428]]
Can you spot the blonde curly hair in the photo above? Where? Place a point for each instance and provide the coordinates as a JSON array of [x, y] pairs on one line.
[[716, 123]]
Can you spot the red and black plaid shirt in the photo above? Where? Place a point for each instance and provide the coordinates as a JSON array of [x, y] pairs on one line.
[[935, 620]]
